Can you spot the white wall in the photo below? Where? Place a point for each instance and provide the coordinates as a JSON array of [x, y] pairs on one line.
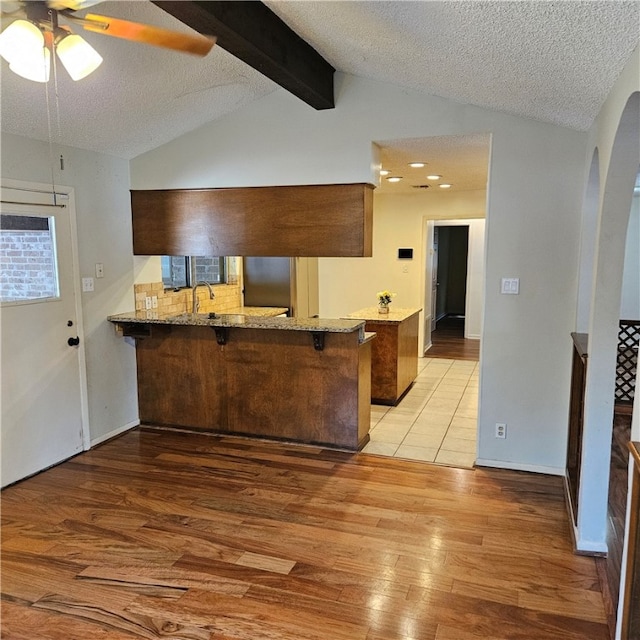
[[103, 212], [533, 218], [616, 136], [588, 245], [398, 221], [630, 298]]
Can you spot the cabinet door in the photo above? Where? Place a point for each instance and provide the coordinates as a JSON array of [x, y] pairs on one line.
[[181, 378], [298, 220]]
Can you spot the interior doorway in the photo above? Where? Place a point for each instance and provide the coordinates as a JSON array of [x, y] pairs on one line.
[[451, 245], [454, 271]]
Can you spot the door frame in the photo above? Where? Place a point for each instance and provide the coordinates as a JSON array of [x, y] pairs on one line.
[[439, 294], [427, 234], [41, 189]]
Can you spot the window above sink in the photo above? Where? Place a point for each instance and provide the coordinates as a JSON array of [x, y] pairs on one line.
[[179, 272]]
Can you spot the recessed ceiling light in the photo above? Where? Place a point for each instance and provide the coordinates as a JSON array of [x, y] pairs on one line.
[[384, 172], [445, 186], [417, 165], [394, 179], [434, 177]]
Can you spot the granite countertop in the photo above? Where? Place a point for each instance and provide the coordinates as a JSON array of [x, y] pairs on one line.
[[368, 336], [329, 325], [395, 314], [265, 312]]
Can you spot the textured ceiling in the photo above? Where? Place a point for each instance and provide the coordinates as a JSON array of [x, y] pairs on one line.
[[551, 61], [139, 98], [462, 161]]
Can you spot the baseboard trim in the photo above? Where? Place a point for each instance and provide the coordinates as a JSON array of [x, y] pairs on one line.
[[591, 548], [114, 433], [568, 503], [519, 466], [581, 548]]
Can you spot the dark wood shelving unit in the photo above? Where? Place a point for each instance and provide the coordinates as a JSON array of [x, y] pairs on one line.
[[576, 418]]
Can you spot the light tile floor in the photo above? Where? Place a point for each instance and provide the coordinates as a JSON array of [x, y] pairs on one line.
[[436, 421]]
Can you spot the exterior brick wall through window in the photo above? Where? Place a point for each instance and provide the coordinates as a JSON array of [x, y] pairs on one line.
[[27, 259]]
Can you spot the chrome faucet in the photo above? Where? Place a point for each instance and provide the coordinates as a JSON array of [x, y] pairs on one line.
[[195, 302]]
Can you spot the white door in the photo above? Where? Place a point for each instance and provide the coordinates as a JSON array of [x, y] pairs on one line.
[[42, 366]]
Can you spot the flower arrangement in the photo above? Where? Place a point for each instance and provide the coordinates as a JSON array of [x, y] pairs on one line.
[[384, 297]]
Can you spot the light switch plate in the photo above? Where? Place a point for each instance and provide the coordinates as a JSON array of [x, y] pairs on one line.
[[87, 284], [510, 286]]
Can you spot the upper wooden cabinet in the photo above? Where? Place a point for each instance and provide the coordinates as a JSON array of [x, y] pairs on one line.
[[307, 220]]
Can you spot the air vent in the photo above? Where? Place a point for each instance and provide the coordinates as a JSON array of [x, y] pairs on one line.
[[420, 186]]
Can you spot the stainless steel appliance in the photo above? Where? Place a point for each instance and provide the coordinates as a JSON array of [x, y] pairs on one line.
[[282, 282], [269, 282]]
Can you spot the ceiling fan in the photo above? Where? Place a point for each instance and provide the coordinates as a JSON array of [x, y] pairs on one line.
[[35, 33]]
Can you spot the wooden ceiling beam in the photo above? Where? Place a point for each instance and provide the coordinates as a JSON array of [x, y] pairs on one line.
[[250, 31]]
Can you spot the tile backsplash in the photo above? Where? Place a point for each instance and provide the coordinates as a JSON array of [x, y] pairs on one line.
[[228, 297]]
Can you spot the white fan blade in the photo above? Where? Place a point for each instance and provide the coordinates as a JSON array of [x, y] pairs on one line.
[[72, 5]]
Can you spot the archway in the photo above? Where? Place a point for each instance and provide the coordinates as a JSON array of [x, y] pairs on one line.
[[613, 220], [588, 244]]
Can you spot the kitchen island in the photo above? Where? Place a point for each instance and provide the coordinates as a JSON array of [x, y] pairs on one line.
[[297, 379], [394, 358]]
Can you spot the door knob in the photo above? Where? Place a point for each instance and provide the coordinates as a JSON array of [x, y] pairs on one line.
[[73, 342]]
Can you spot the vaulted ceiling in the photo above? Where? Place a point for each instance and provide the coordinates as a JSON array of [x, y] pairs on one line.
[[551, 61]]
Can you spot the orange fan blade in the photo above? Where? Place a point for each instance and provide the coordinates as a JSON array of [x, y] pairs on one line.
[[197, 44]]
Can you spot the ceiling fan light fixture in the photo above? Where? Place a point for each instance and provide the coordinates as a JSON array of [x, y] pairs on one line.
[[35, 66], [21, 38], [78, 56], [22, 45]]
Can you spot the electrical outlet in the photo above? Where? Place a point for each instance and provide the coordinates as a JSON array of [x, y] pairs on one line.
[[501, 430], [87, 284], [147, 302]]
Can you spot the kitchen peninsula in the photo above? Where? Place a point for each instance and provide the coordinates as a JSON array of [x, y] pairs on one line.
[[297, 379], [394, 359]]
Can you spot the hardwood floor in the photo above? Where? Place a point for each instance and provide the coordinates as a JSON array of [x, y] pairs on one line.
[[448, 341], [159, 534]]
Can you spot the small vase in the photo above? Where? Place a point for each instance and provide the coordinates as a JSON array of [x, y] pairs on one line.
[[383, 308]]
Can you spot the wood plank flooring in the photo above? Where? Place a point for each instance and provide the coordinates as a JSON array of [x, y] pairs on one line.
[[448, 341], [159, 534]]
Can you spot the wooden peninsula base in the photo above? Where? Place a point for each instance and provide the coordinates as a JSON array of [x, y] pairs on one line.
[[299, 385], [394, 359]]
